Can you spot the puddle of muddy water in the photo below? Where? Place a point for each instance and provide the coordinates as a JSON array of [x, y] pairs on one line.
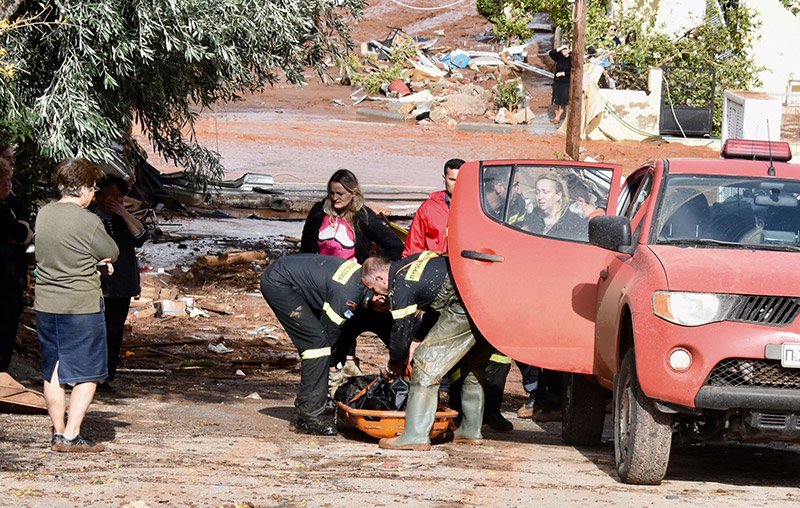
[[184, 239]]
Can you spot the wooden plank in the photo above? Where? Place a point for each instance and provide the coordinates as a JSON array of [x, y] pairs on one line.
[[15, 398]]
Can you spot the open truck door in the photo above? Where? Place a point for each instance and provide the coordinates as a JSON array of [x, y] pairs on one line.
[[529, 283]]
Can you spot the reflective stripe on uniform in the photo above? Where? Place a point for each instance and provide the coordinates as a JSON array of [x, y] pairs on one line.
[[517, 217], [332, 315], [401, 313], [344, 272], [455, 375], [498, 358], [417, 267], [310, 354]]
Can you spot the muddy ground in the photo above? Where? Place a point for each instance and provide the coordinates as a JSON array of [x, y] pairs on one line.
[[190, 427], [217, 435]]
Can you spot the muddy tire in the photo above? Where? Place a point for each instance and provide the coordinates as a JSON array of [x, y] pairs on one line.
[[642, 434], [583, 410]]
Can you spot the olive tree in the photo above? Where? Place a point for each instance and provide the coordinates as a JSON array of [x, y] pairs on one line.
[[75, 75]]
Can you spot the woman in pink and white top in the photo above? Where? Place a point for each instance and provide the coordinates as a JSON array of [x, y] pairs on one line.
[[341, 225]]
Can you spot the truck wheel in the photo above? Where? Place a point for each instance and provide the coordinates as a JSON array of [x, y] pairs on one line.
[[584, 410], [642, 434]]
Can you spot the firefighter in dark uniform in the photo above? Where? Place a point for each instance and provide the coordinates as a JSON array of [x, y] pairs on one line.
[[423, 281], [313, 296]]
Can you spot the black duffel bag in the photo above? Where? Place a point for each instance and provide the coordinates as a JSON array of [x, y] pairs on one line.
[[374, 392]]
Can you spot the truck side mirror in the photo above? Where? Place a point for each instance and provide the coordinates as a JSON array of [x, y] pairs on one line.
[[610, 232]]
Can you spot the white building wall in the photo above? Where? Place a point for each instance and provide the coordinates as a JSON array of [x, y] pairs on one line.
[[634, 114], [673, 17], [777, 50]]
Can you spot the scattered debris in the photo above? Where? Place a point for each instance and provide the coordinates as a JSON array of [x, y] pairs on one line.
[[198, 312], [463, 104], [166, 308], [220, 348], [504, 116], [232, 257], [399, 87], [219, 308], [161, 372], [197, 363], [437, 75], [524, 115]]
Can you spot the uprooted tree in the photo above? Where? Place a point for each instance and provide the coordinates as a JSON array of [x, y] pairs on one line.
[[723, 41], [76, 75]]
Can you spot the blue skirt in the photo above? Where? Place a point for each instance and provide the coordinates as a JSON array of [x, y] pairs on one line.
[[77, 342]]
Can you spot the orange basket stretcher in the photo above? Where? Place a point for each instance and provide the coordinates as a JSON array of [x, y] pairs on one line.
[[379, 424]]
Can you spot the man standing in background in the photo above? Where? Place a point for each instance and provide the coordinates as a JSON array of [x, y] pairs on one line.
[[429, 227]]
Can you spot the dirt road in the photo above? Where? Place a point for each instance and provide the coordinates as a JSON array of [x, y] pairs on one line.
[[199, 442], [210, 436]]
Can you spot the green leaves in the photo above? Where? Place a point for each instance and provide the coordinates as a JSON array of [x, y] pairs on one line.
[[87, 70], [725, 47], [792, 6], [509, 93]]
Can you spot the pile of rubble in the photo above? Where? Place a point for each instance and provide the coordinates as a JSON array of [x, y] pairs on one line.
[[232, 336], [161, 298], [429, 84]]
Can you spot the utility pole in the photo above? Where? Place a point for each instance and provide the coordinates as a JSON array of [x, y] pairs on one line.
[[575, 106]]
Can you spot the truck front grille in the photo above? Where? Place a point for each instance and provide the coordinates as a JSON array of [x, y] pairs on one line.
[[746, 372], [766, 310], [777, 420]]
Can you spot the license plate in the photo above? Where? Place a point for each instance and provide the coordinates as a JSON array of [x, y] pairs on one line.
[[790, 355]]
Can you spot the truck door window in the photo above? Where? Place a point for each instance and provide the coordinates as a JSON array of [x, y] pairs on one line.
[[554, 201], [641, 196]]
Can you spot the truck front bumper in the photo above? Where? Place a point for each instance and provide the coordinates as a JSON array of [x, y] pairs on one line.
[[731, 397]]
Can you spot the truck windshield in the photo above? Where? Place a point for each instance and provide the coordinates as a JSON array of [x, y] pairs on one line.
[[737, 212]]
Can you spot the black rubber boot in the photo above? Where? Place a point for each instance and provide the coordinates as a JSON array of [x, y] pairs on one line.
[[311, 425], [496, 374], [420, 415], [311, 397]]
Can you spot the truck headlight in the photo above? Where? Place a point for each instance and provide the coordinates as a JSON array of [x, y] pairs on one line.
[[692, 309]]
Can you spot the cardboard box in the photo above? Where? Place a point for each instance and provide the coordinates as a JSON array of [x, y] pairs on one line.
[[150, 292], [140, 302], [172, 308]]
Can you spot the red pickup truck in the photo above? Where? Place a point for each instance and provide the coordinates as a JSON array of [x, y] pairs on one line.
[[676, 292]]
